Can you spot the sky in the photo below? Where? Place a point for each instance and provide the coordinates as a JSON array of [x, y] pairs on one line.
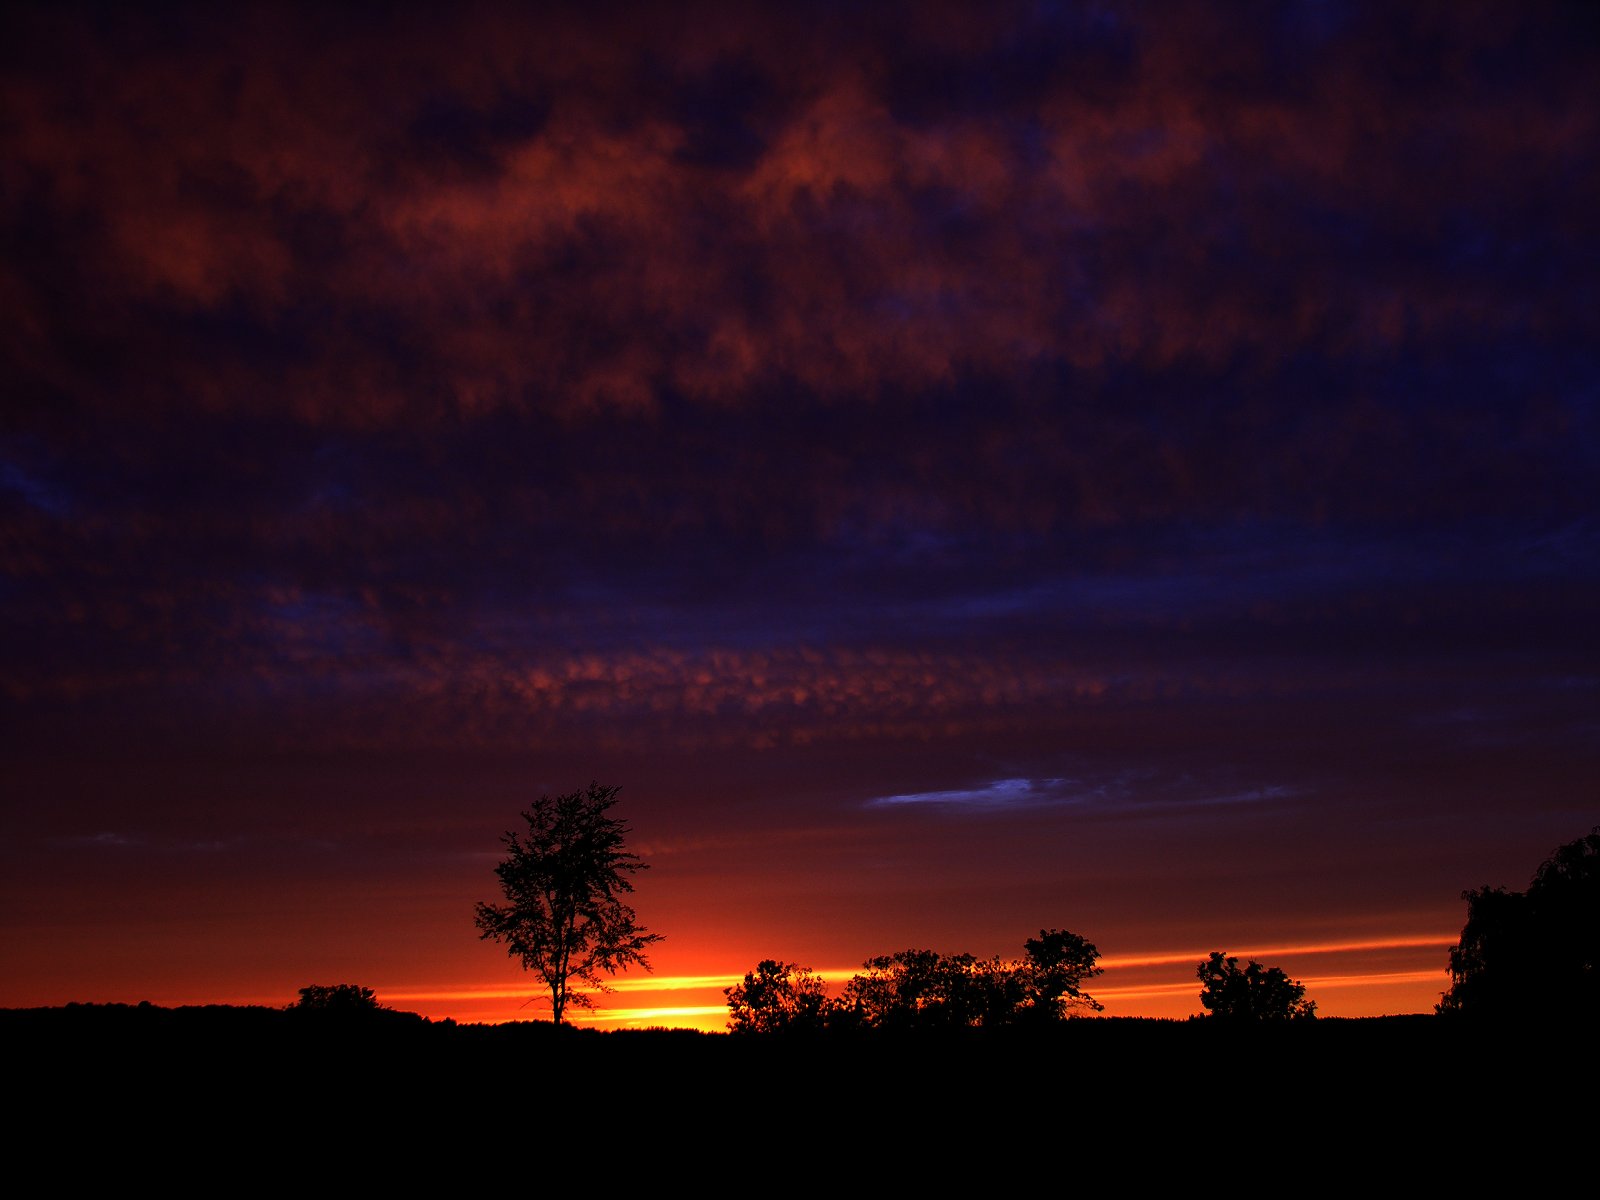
[[959, 469]]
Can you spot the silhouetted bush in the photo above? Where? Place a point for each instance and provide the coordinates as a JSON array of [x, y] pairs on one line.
[[336, 998], [1250, 993]]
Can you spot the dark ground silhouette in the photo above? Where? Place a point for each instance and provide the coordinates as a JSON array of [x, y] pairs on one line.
[[1266, 1092]]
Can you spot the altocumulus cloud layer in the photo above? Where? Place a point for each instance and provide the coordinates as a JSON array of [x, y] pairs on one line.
[[1166, 402]]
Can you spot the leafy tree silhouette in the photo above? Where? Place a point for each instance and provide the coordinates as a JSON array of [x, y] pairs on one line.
[[1053, 974], [336, 998], [921, 989], [1250, 993], [1537, 951], [917, 990], [777, 998], [563, 879]]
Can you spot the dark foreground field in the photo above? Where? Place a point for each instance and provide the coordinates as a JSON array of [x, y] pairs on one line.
[[1416, 1100]]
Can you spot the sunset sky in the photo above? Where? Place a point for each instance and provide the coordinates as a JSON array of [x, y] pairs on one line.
[[959, 469]]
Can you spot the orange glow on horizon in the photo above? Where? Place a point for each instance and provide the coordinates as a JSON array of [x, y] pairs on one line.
[[1345, 978], [1134, 985], [1418, 941]]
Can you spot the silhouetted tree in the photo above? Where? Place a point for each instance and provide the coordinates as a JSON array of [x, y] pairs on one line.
[[563, 880], [777, 998], [1251, 993], [336, 998], [1057, 965], [1537, 951], [919, 989], [922, 989]]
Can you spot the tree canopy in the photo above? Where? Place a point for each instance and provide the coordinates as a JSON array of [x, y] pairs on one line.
[[1250, 993], [336, 998], [777, 998], [1537, 951], [924, 990], [564, 878], [1057, 965]]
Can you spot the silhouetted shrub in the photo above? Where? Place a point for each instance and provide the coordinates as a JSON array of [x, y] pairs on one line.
[[1250, 993], [336, 998]]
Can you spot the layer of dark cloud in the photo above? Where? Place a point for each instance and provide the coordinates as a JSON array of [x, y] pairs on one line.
[[444, 216]]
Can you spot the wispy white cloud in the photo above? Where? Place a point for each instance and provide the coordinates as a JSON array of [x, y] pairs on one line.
[[1126, 792], [1000, 793]]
